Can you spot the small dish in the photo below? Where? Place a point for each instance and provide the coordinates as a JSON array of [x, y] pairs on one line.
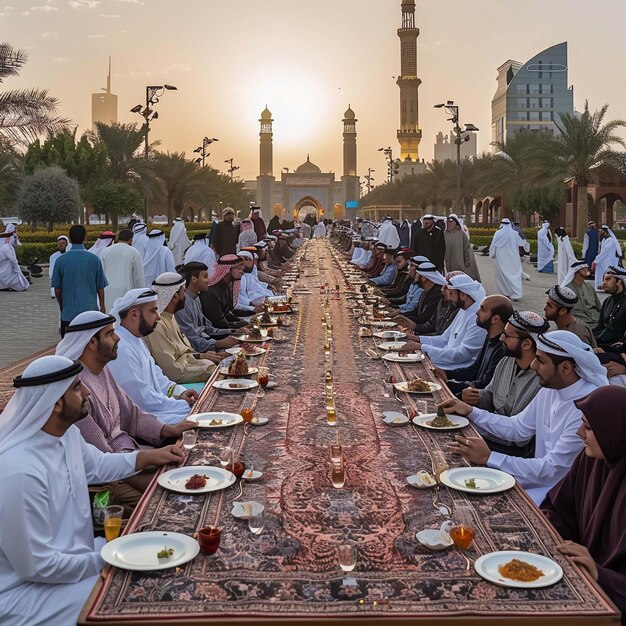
[[434, 539], [259, 421], [243, 510], [421, 480], [251, 475], [393, 418]]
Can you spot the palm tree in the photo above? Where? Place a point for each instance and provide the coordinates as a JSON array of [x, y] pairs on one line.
[[11, 175], [123, 144], [25, 113], [584, 143]]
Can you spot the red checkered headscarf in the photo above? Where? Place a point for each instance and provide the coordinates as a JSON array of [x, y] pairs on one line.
[[223, 267]]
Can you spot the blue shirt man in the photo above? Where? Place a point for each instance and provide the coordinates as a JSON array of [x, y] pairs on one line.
[[78, 279], [388, 274], [590, 243]]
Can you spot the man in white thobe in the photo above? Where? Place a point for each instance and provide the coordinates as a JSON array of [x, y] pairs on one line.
[[104, 240], [252, 292], [179, 242], [62, 243], [140, 239], [49, 561], [158, 258], [135, 370], [565, 254], [320, 230], [461, 343], [123, 268], [388, 234], [11, 276], [504, 250], [545, 249], [201, 252], [610, 254], [567, 370]]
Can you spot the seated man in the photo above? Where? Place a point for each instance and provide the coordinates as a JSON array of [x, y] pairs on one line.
[[201, 252], [460, 343], [567, 370], [407, 296], [202, 335], [587, 307], [612, 323], [11, 276], [401, 261], [376, 265], [267, 275], [492, 315], [252, 292], [135, 371], [388, 272], [169, 347], [219, 300], [114, 422], [559, 304], [49, 562], [365, 256]]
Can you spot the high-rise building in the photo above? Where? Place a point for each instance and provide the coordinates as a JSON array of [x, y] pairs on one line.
[[104, 105], [409, 133], [531, 96]]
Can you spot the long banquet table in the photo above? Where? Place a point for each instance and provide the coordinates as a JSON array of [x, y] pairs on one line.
[[290, 573]]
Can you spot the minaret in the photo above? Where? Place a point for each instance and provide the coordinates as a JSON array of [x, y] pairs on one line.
[[409, 134], [349, 181], [265, 180], [104, 105]]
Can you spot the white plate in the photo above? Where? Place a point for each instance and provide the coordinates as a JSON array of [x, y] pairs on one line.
[[414, 482], [390, 334], [251, 370], [382, 324], [458, 420], [138, 552], [248, 339], [488, 479], [232, 384], [237, 350], [204, 419], [251, 476], [392, 346], [434, 539], [259, 421], [402, 387], [487, 567], [241, 510], [277, 298], [393, 418], [408, 358], [175, 479]]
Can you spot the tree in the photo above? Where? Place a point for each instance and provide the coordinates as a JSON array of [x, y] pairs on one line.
[[11, 174], [49, 196], [115, 199], [123, 144], [584, 143], [25, 113]]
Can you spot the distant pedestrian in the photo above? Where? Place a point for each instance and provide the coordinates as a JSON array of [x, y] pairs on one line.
[[591, 243], [62, 243], [545, 249], [158, 258], [225, 234], [179, 242], [504, 250], [78, 279]]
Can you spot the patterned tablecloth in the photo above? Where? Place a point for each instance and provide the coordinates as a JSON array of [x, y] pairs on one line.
[[290, 572]]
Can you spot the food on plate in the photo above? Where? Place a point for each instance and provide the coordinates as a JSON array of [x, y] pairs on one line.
[[166, 553], [520, 571], [249, 349], [365, 332], [425, 479], [280, 307], [215, 422], [470, 483], [270, 332], [440, 420], [237, 386], [239, 366], [417, 384], [197, 481], [283, 321], [266, 318], [255, 333]]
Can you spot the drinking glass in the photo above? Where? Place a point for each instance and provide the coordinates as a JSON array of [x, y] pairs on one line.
[[440, 464], [247, 414], [421, 406], [331, 413], [335, 452], [338, 475], [256, 522], [263, 377], [113, 521], [209, 539], [347, 556], [463, 533], [226, 456], [189, 439]]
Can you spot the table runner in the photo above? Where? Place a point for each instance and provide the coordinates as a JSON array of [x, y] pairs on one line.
[[291, 570]]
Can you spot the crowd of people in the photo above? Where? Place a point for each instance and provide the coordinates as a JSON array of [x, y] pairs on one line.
[[145, 321]]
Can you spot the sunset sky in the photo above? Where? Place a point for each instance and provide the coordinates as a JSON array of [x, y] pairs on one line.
[[307, 60]]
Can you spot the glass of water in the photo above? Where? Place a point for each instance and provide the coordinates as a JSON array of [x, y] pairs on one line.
[[189, 439], [347, 556]]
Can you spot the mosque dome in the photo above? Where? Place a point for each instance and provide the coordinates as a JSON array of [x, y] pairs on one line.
[[308, 168], [266, 114], [349, 114]]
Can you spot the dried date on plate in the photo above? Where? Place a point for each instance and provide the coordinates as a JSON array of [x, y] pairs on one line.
[[197, 481]]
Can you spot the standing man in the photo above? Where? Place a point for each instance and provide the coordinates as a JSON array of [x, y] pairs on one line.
[[78, 279], [459, 252], [62, 243], [201, 252], [123, 268], [158, 258], [225, 235], [429, 241], [504, 250], [179, 242], [258, 223], [140, 238], [388, 234], [545, 249], [610, 255], [587, 308], [591, 243], [104, 240], [565, 253]]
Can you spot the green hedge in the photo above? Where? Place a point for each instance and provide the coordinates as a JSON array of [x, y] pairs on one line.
[[529, 233]]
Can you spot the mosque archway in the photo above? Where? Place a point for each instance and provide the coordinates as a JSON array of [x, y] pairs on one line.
[[308, 205]]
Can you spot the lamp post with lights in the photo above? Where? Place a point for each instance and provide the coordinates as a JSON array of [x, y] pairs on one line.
[[201, 150], [232, 169]]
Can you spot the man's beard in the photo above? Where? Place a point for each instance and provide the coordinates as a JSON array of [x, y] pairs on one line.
[[144, 328], [516, 354], [110, 354], [484, 324], [71, 418], [180, 305]]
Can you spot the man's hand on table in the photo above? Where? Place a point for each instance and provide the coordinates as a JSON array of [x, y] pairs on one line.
[[176, 430], [227, 342], [214, 357], [456, 407], [159, 456], [471, 395], [472, 449], [405, 321], [580, 555], [440, 374], [189, 396], [411, 346]]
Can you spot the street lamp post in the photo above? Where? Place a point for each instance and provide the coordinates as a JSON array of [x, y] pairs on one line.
[[232, 169], [459, 138], [369, 178], [153, 95], [201, 150]]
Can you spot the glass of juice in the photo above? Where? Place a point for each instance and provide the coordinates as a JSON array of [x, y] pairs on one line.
[[440, 465], [463, 533], [113, 521], [347, 556], [209, 539], [338, 475], [263, 376], [247, 414], [335, 452]]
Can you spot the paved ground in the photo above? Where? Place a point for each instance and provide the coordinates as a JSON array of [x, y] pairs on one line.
[[28, 320]]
